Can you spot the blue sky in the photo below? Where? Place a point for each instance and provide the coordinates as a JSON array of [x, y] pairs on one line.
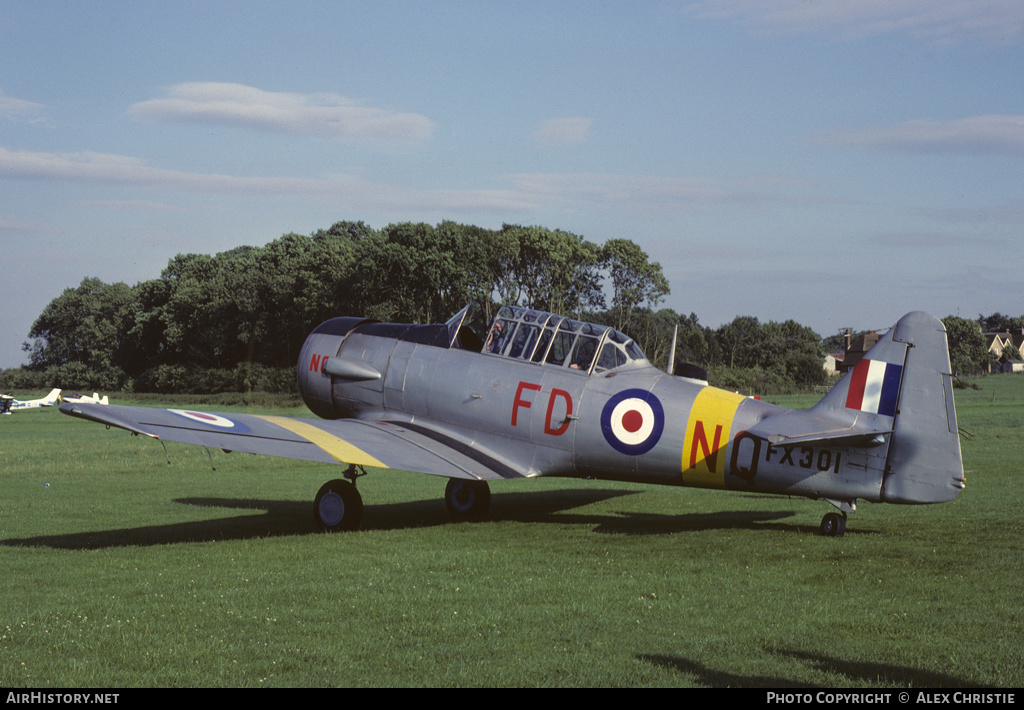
[[837, 163]]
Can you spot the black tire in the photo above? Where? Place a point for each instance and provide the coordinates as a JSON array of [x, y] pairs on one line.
[[338, 506], [833, 525], [467, 500]]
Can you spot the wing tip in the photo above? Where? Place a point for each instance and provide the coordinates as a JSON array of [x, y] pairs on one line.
[[103, 414]]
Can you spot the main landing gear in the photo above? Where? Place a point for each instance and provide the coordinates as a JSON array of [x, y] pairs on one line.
[[834, 524], [338, 505], [467, 499]]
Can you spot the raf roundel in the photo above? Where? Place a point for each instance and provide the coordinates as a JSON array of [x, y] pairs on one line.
[[213, 420], [632, 421]]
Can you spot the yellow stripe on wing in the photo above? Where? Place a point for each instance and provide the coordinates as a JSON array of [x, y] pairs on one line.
[[340, 449]]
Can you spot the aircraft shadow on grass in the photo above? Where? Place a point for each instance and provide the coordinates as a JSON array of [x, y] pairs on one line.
[[276, 518], [876, 674]]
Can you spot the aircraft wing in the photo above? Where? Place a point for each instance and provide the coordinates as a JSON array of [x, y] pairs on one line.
[[403, 446]]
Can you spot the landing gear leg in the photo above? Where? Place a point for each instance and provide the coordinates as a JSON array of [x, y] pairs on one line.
[[467, 500], [834, 524], [338, 505]]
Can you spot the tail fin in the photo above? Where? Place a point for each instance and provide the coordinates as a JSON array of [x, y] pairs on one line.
[[924, 464], [900, 395], [906, 379]]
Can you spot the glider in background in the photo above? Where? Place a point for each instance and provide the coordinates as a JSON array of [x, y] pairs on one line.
[[86, 399]]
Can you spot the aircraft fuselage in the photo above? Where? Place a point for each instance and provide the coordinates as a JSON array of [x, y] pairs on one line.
[[634, 423]]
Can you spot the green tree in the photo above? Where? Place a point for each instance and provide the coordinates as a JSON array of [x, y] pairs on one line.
[[327, 285], [191, 333], [635, 280], [214, 320], [794, 349], [411, 272], [145, 342], [968, 354], [998, 323], [749, 355], [88, 325], [549, 270], [739, 342]]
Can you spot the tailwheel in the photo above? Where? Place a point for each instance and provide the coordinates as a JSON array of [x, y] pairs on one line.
[[833, 525], [338, 506], [467, 500]]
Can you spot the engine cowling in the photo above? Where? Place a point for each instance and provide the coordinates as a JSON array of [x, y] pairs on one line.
[[315, 368]]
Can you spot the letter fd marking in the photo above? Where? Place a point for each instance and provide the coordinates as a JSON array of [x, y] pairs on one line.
[[562, 394], [519, 401], [550, 418]]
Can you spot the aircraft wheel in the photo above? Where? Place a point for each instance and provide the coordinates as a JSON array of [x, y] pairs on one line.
[[833, 525], [338, 506], [467, 500]]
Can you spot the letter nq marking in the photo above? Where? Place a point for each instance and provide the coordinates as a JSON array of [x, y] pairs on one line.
[[317, 362], [707, 434]]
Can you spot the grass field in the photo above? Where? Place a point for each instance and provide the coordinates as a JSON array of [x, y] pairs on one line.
[[122, 571]]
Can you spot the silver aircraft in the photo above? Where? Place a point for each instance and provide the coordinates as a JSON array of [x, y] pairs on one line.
[[537, 394]]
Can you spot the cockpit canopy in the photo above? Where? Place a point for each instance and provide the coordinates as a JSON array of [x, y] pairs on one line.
[[544, 338]]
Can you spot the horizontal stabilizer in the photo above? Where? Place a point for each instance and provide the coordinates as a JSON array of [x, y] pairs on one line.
[[806, 427]]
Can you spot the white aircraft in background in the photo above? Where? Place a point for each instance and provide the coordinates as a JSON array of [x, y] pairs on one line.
[[10, 404], [86, 399]]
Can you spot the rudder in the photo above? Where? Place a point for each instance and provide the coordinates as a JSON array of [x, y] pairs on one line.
[[924, 464]]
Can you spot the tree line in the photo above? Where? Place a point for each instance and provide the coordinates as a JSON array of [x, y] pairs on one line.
[[235, 321]]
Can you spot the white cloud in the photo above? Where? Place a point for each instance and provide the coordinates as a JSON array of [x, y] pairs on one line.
[[526, 192], [11, 227], [344, 190], [326, 116], [19, 109], [994, 134], [602, 190], [945, 21], [563, 131], [1004, 213], [132, 206]]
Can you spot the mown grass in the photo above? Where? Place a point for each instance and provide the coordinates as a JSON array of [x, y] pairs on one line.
[[122, 571]]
